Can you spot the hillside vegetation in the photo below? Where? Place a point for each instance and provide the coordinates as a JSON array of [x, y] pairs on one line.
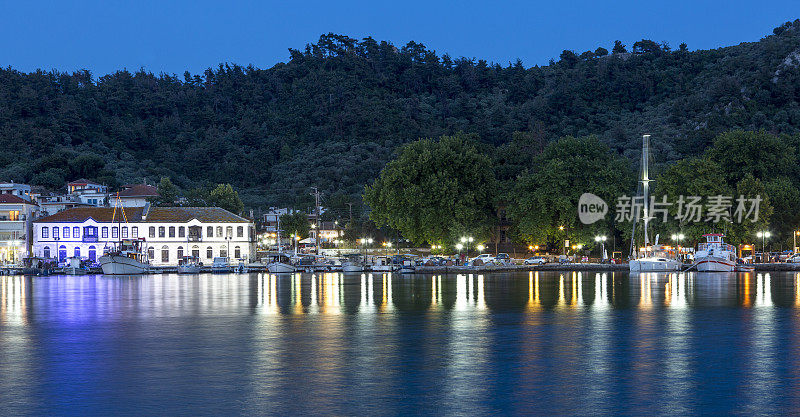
[[336, 112]]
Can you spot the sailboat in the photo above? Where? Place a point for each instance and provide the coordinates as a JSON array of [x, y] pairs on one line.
[[126, 258], [279, 264], [655, 257]]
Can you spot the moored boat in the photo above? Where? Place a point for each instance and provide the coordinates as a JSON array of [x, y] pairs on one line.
[[715, 255], [125, 259], [221, 265], [189, 265]]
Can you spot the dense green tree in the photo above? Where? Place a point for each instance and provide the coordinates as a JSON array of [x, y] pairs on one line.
[[436, 191], [764, 155], [295, 223], [544, 202], [167, 193], [224, 196], [619, 48]]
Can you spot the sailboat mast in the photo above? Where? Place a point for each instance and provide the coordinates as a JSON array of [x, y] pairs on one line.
[[646, 184], [279, 232]]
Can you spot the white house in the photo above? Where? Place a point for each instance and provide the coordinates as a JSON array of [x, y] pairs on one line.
[[16, 214], [135, 195], [169, 233], [88, 192]]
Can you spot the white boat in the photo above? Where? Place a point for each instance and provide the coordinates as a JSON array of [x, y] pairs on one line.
[[407, 267], [715, 255], [74, 266], [382, 264], [649, 258], [221, 265], [125, 259], [280, 264], [188, 265]]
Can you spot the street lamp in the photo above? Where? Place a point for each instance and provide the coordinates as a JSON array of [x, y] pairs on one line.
[[794, 246], [678, 238], [602, 241], [480, 248], [764, 235]]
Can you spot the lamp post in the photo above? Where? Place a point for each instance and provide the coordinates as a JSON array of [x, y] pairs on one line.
[[794, 240], [602, 241], [678, 237], [764, 235]]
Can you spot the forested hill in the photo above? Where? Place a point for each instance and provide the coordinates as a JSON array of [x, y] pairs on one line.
[[337, 110]]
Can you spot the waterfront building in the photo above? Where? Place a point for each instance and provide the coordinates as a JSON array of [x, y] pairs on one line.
[[13, 188], [169, 233], [136, 195], [16, 214]]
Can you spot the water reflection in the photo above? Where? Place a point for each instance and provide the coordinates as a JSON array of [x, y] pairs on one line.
[[360, 344]]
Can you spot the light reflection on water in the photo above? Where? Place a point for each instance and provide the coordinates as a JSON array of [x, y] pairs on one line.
[[535, 342]]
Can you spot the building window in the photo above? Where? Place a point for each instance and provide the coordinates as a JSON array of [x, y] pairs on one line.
[[172, 231], [124, 231], [62, 253], [237, 252], [115, 232], [151, 253], [223, 252], [92, 253], [65, 233], [46, 252], [76, 232], [209, 231], [219, 231], [152, 231], [55, 232], [134, 232], [104, 232], [180, 252], [77, 251], [229, 231], [196, 251], [240, 231], [209, 253], [45, 235], [164, 254], [161, 231], [181, 231], [90, 231]]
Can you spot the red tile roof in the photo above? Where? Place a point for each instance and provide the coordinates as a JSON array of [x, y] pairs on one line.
[[13, 199], [155, 215]]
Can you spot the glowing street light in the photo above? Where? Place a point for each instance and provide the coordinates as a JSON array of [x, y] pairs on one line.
[[602, 241], [480, 248], [764, 235]]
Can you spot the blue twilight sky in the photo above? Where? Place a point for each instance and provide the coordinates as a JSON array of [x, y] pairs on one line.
[[174, 36]]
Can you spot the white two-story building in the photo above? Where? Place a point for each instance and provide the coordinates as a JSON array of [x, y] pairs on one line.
[[16, 215], [169, 233]]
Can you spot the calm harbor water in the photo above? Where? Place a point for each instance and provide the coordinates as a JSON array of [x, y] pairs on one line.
[[509, 343]]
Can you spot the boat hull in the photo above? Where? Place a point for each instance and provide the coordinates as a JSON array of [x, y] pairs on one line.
[[714, 264], [654, 265], [188, 269], [121, 265], [352, 268], [280, 268]]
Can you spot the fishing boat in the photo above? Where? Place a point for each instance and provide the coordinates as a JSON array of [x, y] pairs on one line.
[[352, 264], [649, 258], [189, 265], [715, 255], [125, 258], [382, 264], [221, 265]]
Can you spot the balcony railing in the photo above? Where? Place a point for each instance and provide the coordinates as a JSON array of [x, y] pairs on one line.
[[89, 239], [195, 238]]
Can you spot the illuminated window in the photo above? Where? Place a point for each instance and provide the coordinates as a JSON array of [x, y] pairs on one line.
[[229, 231], [13, 215], [219, 231], [45, 235]]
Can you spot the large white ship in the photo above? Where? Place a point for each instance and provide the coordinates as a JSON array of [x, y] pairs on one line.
[[715, 255]]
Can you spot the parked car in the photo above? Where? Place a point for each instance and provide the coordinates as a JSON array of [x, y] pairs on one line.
[[482, 259], [794, 259], [502, 259], [536, 260]]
